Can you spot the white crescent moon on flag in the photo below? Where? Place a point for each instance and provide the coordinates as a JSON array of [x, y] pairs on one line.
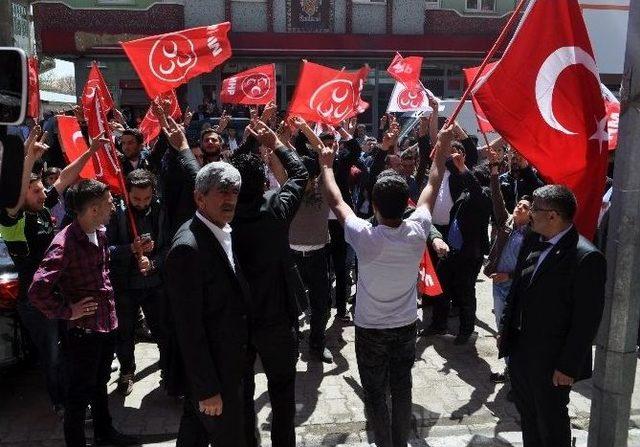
[[548, 75]]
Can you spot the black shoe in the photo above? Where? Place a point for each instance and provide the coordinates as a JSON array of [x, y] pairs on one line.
[[462, 339], [143, 333], [114, 437], [343, 316], [498, 377], [322, 354], [430, 331]]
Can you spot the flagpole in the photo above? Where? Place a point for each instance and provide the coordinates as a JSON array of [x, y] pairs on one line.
[[490, 54]]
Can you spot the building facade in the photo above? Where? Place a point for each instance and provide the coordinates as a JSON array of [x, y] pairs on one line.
[[450, 34]]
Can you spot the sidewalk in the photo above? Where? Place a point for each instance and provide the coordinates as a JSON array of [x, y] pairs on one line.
[[455, 404]]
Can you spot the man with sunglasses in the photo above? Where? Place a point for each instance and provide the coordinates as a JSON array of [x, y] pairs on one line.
[[552, 315]]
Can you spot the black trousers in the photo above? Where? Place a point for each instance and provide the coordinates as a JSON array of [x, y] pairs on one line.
[[128, 304], [227, 430], [277, 347], [313, 271], [458, 276], [338, 252], [385, 358], [543, 407], [88, 358]]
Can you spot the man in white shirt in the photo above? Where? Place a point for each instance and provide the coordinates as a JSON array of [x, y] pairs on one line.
[[386, 312]]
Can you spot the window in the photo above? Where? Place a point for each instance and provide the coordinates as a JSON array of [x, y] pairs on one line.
[[432, 4], [481, 5]]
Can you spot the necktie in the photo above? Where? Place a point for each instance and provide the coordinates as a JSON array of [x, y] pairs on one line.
[[532, 259], [528, 269]]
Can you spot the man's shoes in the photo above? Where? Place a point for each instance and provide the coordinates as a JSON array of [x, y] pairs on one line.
[[114, 437], [462, 339], [498, 377], [322, 354], [143, 332], [125, 384], [343, 316], [431, 330]]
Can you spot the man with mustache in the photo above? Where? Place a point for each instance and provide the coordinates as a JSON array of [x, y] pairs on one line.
[[209, 297]]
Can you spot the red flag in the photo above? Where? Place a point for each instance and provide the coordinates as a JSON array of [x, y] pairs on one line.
[[469, 74], [544, 98], [406, 70], [326, 95], [34, 89], [106, 163], [254, 86], [150, 126], [612, 106], [73, 144], [428, 283], [166, 61], [95, 80]]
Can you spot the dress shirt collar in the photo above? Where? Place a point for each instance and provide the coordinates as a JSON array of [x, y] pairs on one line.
[[220, 233], [555, 239]]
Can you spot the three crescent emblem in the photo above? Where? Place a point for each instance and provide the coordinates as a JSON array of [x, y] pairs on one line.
[[256, 86], [172, 57], [548, 75], [410, 99], [334, 99]]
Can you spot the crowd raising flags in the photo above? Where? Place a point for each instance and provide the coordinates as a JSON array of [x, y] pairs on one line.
[[544, 98]]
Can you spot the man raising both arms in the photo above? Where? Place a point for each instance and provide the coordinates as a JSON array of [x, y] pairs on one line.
[[386, 311]]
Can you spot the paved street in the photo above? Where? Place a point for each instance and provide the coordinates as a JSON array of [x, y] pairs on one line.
[[454, 402]]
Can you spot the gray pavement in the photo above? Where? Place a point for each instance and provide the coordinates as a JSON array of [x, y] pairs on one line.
[[454, 403]]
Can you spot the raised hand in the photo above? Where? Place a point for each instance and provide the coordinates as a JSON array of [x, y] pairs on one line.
[[266, 136], [268, 112], [35, 146], [79, 113], [159, 113], [297, 121], [327, 154], [187, 116], [223, 122], [175, 135], [98, 142]]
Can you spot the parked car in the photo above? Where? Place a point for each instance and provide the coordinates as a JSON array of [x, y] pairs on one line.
[[10, 331]]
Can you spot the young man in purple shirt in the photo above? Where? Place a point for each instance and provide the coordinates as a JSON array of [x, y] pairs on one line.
[[72, 283]]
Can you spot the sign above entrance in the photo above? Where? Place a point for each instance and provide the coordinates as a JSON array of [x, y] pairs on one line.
[[310, 16]]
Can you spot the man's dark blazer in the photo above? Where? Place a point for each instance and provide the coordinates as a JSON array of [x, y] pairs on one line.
[[561, 308], [261, 242], [209, 305]]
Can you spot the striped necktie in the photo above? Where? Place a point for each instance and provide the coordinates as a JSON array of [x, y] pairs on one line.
[[531, 262]]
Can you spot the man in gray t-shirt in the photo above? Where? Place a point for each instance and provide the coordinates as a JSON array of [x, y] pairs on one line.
[[385, 317]]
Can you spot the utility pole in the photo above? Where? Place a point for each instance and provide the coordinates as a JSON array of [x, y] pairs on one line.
[[615, 363]]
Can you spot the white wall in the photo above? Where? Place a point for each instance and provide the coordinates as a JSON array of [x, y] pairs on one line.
[[607, 26]]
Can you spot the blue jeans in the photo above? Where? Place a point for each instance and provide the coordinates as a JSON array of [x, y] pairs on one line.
[[500, 292], [45, 335], [385, 358]]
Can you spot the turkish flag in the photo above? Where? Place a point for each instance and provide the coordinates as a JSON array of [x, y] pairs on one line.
[[326, 95], [254, 86], [406, 70], [166, 61], [95, 82], [95, 103], [544, 98], [428, 283], [612, 106], [34, 89], [73, 144], [469, 74], [150, 126]]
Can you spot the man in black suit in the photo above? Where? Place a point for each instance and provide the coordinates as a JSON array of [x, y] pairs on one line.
[[261, 242], [552, 316], [209, 303]]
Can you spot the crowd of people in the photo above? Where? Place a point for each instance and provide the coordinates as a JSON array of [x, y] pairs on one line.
[[222, 243]]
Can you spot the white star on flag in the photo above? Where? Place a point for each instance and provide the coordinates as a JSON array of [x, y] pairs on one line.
[[601, 133]]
